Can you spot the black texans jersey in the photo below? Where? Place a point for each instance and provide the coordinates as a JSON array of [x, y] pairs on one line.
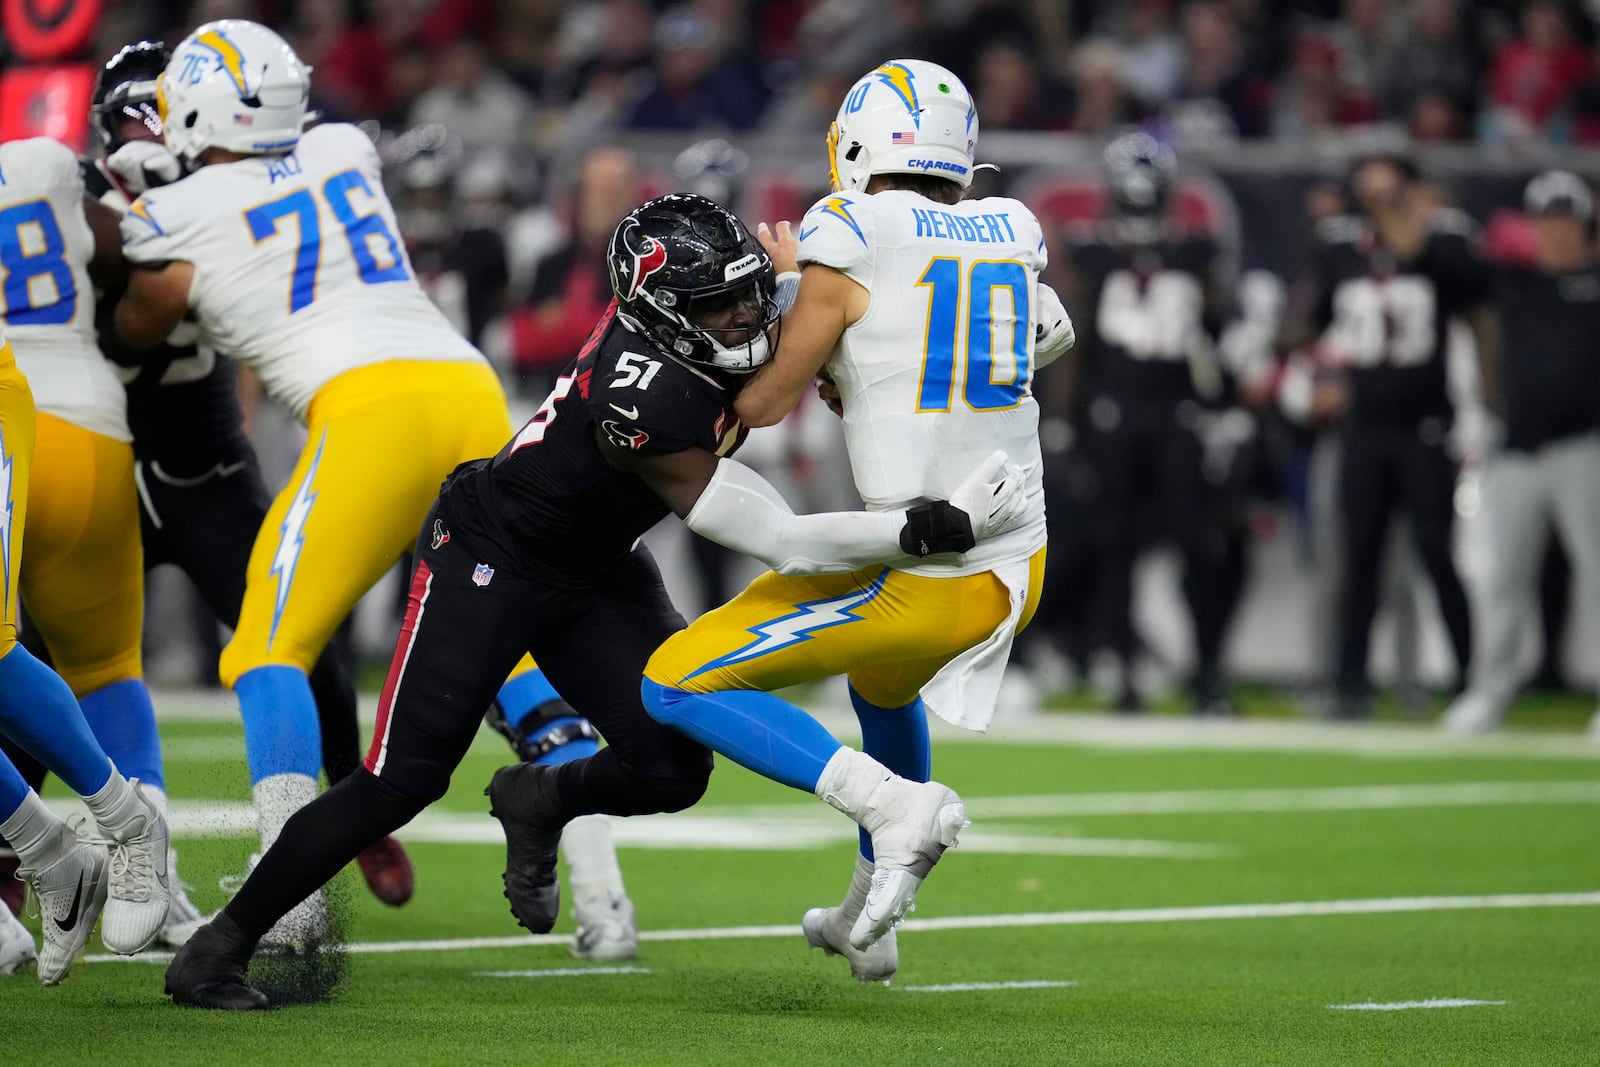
[[183, 403], [1550, 354], [1387, 323], [549, 501], [1148, 314]]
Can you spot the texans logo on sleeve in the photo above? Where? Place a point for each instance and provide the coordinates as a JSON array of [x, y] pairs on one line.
[[624, 436]]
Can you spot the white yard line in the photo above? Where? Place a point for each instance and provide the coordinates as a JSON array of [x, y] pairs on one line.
[[973, 987], [1101, 730], [1106, 917], [805, 826], [1409, 1005], [561, 972]]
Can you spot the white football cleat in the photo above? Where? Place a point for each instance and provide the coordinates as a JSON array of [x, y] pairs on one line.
[[606, 929], [1472, 713], [183, 918], [17, 950], [70, 890], [302, 928], [913, 827], [829, 930], [138, 901]]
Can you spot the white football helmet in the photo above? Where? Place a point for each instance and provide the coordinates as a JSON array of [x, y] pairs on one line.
[[907, 117], [233, 84]]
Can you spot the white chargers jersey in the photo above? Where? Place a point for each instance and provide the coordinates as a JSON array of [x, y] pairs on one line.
[[299, 273], [937, 374], [46, 298]]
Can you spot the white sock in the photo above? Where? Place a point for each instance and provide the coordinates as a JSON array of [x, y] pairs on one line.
[[591, 857], [849, 782], [115, 805], [277, 797], [35, 834], [855, 898]]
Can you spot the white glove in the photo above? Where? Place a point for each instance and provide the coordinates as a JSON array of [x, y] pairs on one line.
[[143, 165], [994, 496], [1053, 336]]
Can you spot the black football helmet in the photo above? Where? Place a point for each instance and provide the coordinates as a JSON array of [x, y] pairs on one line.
[[1139, 177], [126, 89], [678, 256]]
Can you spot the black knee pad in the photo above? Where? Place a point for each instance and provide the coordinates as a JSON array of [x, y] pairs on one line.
[[676, 785]]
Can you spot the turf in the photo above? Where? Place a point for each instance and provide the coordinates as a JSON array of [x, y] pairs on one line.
[[1225, 991]]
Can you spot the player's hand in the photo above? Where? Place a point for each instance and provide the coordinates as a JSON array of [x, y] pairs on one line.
[[828, 390], [994, 496], [143, 165], [781, 245]]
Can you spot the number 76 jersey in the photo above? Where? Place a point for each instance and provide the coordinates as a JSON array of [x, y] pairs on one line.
[[938, 373], [299, 272]]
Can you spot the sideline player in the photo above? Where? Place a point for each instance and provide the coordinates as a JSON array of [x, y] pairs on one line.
[[1155, 300], [284, 248], [537, 550], [1386, 281], [47, 244], [893, 258]]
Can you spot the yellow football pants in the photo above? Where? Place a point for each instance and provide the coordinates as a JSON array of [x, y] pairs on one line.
[[16, 457], [889, 631], [83, 578], [381, 439]]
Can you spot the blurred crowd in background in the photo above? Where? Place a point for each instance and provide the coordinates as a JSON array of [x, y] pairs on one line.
[[547, 73], [517, 132]]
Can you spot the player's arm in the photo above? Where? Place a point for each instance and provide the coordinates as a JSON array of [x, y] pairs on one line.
[[725, 501], [827, 304], [155, 302], [108, 268]]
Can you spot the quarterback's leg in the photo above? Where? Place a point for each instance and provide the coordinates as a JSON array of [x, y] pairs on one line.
[[458, 640], [713, 682], [543, 729]]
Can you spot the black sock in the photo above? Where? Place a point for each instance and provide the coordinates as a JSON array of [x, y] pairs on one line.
[[316, 843]]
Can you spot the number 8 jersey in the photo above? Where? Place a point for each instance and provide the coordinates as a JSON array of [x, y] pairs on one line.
[[938, 372], [299, 272], [47, 302]]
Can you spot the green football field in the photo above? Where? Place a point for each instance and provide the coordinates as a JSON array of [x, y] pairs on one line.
[[1154, 892]]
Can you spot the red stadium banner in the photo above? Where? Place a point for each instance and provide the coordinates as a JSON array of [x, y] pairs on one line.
[[41, 30], [48, 101]]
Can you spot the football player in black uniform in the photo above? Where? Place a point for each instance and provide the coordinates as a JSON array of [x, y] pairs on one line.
[[1386, 283], [1150, 302], [537, 550], [201, 495]]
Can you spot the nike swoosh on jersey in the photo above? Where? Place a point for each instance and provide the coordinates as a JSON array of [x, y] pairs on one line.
[[72, 913], [627, 413]]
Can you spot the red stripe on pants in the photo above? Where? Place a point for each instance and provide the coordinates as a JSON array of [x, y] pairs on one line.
[[416, 603]]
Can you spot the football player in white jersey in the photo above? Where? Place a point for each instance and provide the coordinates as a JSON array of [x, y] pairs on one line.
[[280, 243], [923, 308], [47, 244]]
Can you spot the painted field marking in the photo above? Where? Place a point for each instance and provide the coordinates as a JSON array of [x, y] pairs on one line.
[[1409, 1005], [1091, 730], [793, 827], [1107, 917], [561, 972], [973, 987]]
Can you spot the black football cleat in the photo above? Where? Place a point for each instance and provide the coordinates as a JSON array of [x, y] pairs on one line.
[[518, 797], [208, 971]]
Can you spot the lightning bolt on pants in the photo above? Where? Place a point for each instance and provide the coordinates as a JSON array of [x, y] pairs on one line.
[[888, 631], [381, 439]]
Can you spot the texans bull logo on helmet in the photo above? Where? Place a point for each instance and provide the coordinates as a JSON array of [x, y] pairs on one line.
[[649, 256]]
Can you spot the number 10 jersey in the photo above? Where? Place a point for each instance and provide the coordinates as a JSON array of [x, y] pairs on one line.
[[299, 272], [938, 372]]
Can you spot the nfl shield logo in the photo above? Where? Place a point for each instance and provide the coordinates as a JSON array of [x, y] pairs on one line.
[[481, 574]]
